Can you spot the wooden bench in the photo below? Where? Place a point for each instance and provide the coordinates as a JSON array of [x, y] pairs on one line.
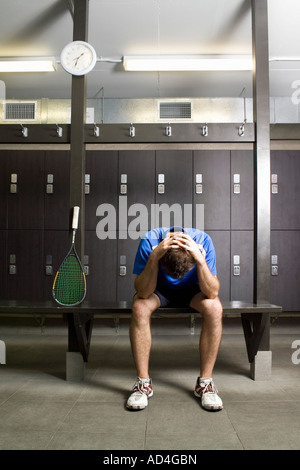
[[255, 319]]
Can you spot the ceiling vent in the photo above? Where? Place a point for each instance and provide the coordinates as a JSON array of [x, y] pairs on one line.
[[175, 110], [20, 111]]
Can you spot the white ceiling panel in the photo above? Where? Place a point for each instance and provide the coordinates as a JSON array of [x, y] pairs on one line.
[[136, 27]]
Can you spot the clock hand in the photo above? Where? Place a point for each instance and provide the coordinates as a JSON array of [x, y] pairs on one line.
[[77, 58]]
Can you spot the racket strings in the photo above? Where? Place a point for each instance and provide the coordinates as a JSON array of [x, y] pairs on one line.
[[69, 285]]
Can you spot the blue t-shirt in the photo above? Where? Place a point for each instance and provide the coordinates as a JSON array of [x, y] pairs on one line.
[[152, 238]]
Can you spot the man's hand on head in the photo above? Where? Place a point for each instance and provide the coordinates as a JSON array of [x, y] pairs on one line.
[[169, 242], [183, 240]]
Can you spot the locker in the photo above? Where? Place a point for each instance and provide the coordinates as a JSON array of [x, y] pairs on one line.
[[136, 195], [284, 266], [212, 168], [221, 241], [24, 261], [26, 196], [57, 190], [285, 178], [173, 188], [4, 189], [242, 265], [56, 246], [242, 201], [125, 278], [101, 262], [136, 191], [3, 264], [101, 183]]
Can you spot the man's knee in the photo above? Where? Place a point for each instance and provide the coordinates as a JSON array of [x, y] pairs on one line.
[[142, 309], [208, 307]]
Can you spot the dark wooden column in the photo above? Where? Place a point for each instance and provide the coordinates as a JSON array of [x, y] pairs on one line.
[[79, 325], [262, 166], [261, 114], [78, 107]]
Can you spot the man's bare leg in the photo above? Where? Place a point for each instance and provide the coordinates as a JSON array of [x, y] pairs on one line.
[[140, 332], [210, 338], [211, 332]]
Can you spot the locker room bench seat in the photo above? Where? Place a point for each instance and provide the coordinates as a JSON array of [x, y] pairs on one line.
[[255, 319]]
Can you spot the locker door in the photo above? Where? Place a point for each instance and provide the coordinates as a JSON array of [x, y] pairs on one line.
[[56, 246], [242, 265], [3, 265], [136, 190], [57, 190], [285, 171], [211, 184], [26, 196], [285, 262], [4, 189], [101, 264], [101, 184], [137, 193], [173, 188], [221, 241], [25, 276], [242, 202], [101, 203], [125, 278]]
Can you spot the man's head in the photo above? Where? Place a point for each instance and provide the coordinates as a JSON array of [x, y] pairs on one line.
[[177, 262]]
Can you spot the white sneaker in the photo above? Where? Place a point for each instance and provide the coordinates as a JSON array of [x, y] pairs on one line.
[[207, 391], [142, 390]]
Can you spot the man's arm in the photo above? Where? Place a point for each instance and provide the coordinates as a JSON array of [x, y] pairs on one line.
[[145, 283], [208, 283]]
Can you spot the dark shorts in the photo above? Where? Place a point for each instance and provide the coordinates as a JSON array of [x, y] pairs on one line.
[[176, 297]]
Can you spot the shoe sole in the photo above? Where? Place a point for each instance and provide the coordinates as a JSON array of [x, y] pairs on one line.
[[136, 408]]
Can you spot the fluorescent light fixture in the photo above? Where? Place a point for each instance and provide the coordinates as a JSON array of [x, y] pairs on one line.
[[29, 65], [193, 63]]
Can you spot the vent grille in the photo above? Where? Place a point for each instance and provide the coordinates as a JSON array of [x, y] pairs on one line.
[[20, 111], [175, 110]]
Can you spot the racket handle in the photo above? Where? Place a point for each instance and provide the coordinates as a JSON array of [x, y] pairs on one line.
[[75, 218]]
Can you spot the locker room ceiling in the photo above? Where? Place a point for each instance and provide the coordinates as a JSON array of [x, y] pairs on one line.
[[137, 27]]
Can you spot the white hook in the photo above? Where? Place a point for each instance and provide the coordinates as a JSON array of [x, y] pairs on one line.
[[24, 131], [242, 130], [169, 130], [205, 130], [132, 131], [96, 130], [59, 130]]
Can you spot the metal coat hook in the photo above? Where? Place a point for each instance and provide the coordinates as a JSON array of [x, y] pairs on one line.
[[59, 130], [205, 130], [169, 130], [24, 131], [242, 130], [96, 130], [132, 131]]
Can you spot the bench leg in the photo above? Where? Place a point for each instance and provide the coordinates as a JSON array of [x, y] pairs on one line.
[[256, 328], [79, 336], [261, 366], [75, 367]]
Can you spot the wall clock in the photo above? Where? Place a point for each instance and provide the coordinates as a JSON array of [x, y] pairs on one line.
[[78, 58]]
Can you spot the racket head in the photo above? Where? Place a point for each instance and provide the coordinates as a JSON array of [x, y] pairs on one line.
[[69, 286]]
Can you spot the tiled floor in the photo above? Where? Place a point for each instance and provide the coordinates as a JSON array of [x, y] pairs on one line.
[[40, 410]]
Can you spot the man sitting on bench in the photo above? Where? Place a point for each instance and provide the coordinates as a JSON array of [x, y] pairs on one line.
[[176, 267]]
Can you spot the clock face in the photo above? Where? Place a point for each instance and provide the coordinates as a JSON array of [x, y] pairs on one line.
[[78, 58]]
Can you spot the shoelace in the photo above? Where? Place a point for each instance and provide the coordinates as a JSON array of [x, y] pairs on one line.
[[208, 388], [140, 386]]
